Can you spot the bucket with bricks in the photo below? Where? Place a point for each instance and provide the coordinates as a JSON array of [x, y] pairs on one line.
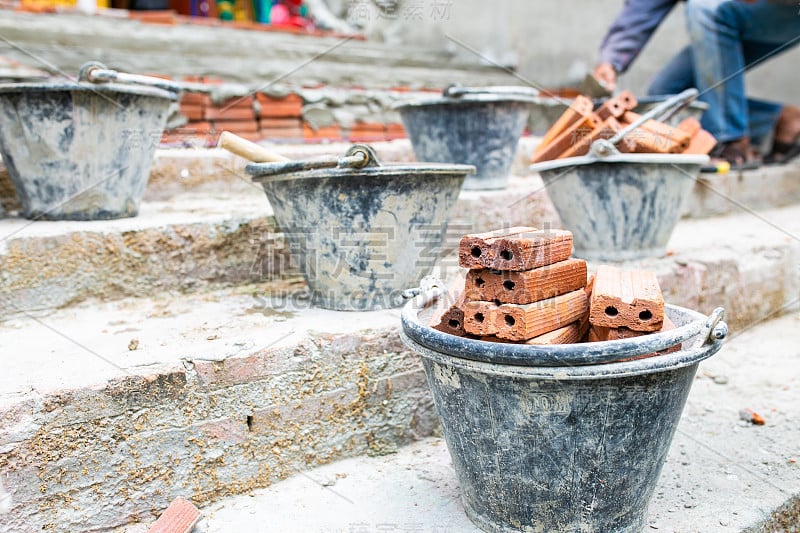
[[558, 395], [619, 179]]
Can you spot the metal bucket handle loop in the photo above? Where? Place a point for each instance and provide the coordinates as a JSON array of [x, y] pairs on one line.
[[96, 72], [357, 156]]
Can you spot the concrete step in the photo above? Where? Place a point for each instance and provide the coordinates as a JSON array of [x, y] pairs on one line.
[[205, 224], [108, 409], [722, 474]]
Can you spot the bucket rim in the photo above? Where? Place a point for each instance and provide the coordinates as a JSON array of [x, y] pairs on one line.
[[427, 170], [467, 99], [649, 159], [554, 355], [110, 88], [609, 370]]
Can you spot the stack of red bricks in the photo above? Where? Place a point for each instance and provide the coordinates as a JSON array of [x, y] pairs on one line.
[[280, 117], [265, 116], [580, 125], [522, 287], [626, 304]]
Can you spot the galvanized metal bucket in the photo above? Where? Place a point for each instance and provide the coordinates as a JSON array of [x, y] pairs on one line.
[[362, 231], [621, 206], [563, 437], [478, 127], [80, 151]]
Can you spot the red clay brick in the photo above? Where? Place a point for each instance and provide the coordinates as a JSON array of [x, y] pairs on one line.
[[668, 138], [626, 298], [702, 143], [570, 334], [201, 99], [524, 322], [333, 132], [572, 134], [192, 111], [519, 248], [289, 106], [690, 125], [236, 126], [580, 107], [606, 130], [480, 318], [180, 517], [290, 122], [230, 113], [527, 286], [282, 133]]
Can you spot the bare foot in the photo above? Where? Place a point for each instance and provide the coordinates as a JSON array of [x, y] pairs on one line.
[[787, 128]]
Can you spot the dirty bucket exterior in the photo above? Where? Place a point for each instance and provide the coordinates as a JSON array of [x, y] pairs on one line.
[[362, 236], [80, 151], [480, 130], [622, 209], [568, 448]]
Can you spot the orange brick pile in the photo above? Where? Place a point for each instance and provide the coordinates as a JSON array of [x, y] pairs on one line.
[[523, 287], [580, 125]]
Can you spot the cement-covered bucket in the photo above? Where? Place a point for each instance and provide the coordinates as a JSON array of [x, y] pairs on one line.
[[363, 231], [80, 150], [623, 206], [479, 127], [561, 437]]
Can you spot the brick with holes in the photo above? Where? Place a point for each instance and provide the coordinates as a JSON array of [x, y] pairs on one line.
[[448, 310], [516, 249], [599, 333], [626, 298], [527, 286], [524, 322], [480, 318]]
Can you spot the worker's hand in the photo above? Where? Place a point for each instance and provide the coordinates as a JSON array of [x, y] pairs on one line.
[[606, 75]]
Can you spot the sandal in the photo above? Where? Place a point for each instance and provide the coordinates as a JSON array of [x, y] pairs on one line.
[[735, 153], [782, 152]]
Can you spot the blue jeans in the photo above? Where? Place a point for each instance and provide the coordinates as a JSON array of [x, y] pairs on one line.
[[727, 38]]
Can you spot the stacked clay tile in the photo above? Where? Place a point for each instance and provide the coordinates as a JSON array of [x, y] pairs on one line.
[[521, 287], [580, 125], [626, 304]]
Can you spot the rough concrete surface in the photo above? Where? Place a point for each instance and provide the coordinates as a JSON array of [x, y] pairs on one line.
[[722, 474], [109, 411]]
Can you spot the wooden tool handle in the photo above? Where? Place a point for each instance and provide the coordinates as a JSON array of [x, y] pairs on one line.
[[249, 150]]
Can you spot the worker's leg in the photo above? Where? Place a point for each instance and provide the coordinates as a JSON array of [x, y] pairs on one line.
[[718, 29], [676, 76]]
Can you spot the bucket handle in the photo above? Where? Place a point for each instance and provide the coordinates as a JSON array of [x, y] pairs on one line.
[[96, 72], [602, 148], [714, 328], [457, 91]]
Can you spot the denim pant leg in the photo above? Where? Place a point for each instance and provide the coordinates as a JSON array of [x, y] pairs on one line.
[[720, 32]]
